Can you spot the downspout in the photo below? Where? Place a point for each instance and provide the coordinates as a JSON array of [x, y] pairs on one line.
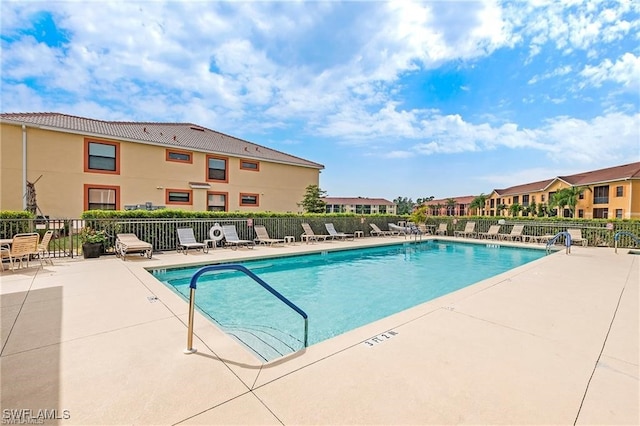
[[24, 167]]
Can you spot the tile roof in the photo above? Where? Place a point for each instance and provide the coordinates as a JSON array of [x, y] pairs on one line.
[[625, 171], [177, 135], [358, 200]]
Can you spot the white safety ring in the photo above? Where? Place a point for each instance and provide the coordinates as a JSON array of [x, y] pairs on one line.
[[215, 233]]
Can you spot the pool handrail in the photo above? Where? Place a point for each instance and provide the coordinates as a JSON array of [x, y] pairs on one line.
[[567, 241], [233, 266], [617, 235]]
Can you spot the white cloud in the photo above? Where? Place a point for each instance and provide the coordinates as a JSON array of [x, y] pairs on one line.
[[625, 71]]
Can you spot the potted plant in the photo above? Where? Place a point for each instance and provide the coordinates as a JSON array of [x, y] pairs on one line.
[[92, 242]]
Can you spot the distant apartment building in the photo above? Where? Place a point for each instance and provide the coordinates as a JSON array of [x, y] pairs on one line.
[[359, 205], [80, 164], [455, 206], [612, 192]]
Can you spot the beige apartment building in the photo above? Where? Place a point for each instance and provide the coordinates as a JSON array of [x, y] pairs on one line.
[[80, 164], [608, 193], [359, 205]]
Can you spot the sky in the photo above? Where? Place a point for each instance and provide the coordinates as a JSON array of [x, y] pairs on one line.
[[395, 99]]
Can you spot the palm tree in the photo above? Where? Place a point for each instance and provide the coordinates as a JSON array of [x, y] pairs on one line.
[[514, 209], [478, 203], [451, 205], [567, 197], [501, 208]]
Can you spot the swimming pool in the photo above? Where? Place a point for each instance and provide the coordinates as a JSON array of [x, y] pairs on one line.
[[339, 290]]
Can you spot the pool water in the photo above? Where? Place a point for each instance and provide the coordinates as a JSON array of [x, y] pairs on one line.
[[339, 290]]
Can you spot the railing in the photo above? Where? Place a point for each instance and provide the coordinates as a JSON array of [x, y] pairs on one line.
[[618, 234], [192, 299], [567, 241]]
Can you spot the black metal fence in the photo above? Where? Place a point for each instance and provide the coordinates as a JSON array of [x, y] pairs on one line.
[[162, 232]]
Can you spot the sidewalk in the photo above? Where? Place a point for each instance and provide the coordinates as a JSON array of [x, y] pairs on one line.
[[551, 342]]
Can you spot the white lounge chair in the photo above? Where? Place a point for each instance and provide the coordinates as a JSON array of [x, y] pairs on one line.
[[262, 236], [129, 244], [231, 238], [309, 235], [514, 235], [442, 229], [335, 234], [187, 240], [576, 237], [375, 230], [491, 234], [469, 230]]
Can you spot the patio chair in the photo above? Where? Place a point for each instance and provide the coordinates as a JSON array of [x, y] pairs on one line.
[[130, 243], [442, 229], [43, 247], [186, 241], [309, 235], [335, 234], [576, 237], [515, 234], [22, 247], [491, 234], [379, 232], [231, 238], [469, 230], [262, 236]]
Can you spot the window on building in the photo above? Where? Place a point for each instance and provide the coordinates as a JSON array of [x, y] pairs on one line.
[[618, 213], [217, 201], [542, 198], [366, 209], [491, 203], [580, 213], [250, 165], [382, 209], [516, 199], [101, 197], [601, 194], [533, 199], [252, 200], [179, 156], [461, 211], [102, 157], [525, 200], [599, 213], [619, 191], [581, 195], [217, 168], [178, 196]]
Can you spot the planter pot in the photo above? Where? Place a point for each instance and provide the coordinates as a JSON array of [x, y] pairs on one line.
[[91, 250]]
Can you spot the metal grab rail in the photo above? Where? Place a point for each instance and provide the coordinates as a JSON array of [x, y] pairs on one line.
[[616, 237], [192, 299], [567, 241]]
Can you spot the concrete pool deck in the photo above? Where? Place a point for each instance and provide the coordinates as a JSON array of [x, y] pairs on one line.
[[100, 341]]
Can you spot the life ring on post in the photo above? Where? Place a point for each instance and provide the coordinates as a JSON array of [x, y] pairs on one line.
[[215, 233]]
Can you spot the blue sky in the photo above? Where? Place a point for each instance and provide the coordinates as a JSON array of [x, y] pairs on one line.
[[409, 99]]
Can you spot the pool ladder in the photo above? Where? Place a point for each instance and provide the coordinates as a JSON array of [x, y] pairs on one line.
[[616, 237], [567, 241], [192, 299]]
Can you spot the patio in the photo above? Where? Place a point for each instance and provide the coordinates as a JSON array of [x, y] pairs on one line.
[[100, 341]]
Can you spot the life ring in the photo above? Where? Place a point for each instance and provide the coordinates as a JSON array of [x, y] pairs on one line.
[[215, 233]]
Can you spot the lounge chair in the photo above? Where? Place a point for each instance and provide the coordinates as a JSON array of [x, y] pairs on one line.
[[231, 238], [22, 247], [129, 244], [335, 234], [43, 247], [402, 230], [379, 232], [309, 235], [262, 236], [469, 230], [515, 234], [576, 237], [186, 241], [492, 233], [442, 229]]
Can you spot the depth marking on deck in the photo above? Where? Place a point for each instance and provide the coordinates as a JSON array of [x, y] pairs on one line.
[[380, 338]]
